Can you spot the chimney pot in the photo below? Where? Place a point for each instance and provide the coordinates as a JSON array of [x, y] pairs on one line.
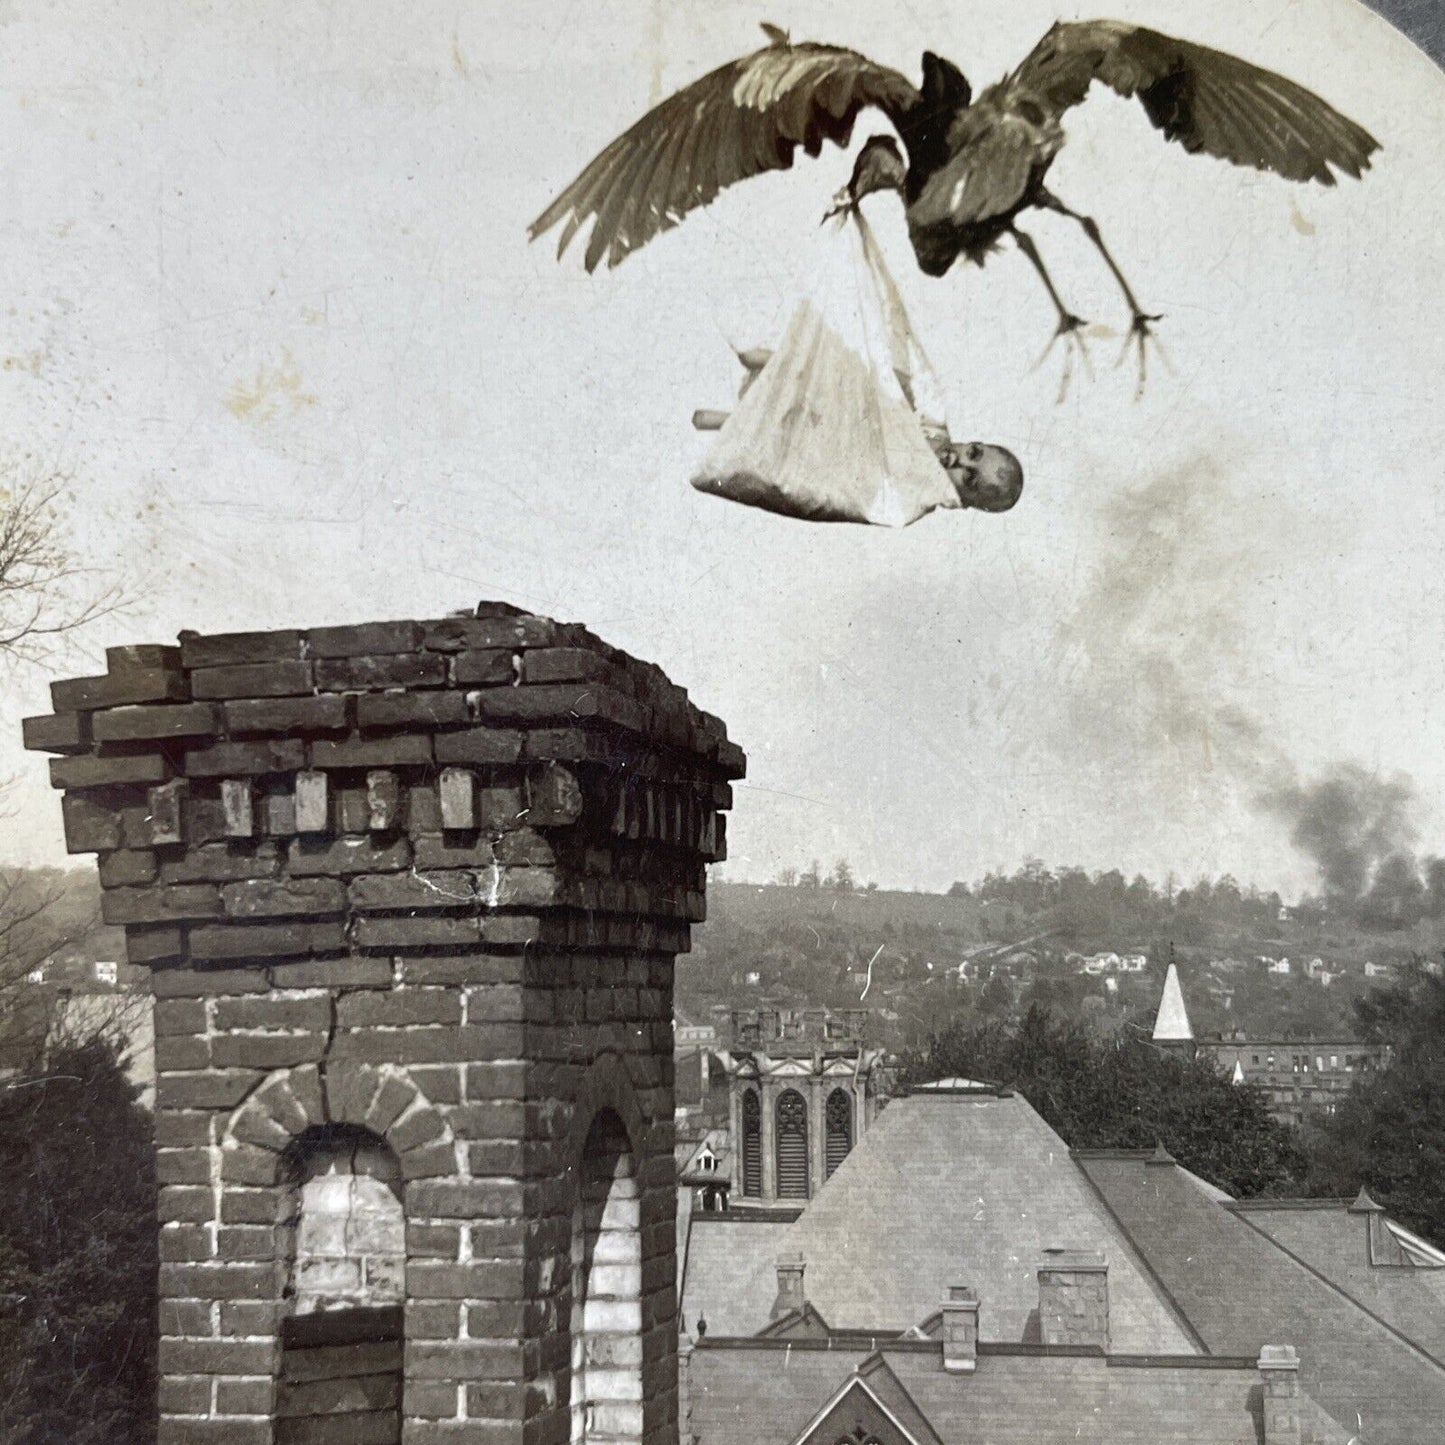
[[790, 1286], [1279, 1368], [960, 1330]]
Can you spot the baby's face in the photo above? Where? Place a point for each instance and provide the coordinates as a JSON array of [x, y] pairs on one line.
[[986, 476]]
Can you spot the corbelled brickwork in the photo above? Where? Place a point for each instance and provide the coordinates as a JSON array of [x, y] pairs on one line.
[[419, 884]]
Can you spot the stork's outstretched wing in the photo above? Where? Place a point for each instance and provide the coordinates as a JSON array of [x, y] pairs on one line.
[[1204, 99], [740, 120]]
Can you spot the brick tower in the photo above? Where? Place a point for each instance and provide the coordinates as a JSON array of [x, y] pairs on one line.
[[411, 894]]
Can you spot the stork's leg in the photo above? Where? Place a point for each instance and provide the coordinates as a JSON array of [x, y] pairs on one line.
[[1070, 327], [1141, 322]]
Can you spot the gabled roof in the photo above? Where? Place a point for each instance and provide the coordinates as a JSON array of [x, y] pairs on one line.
[[949, 1189], [799, 1324], [1241, 1290], [1171, 1023], [873, 1385]]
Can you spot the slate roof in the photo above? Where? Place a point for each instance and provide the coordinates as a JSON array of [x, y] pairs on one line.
[[758, 1393], [1327, 1237], [1227, 1272], [943, 1189]]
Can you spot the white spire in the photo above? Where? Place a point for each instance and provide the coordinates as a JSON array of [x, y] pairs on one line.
[[1171, 1025]]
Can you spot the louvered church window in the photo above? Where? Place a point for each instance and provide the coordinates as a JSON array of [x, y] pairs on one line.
[[840, 1130], [792, 1146], [752, 1144]]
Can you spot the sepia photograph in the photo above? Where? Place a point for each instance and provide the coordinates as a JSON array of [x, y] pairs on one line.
[[717, 725]]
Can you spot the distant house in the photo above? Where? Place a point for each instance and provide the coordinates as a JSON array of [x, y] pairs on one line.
[[1379, 970], [1275, 965]]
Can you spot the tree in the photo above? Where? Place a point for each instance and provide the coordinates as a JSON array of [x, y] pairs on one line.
[[1123, 1093], [841, 877], [811, 877], [1388, 1134], [77, 1256]]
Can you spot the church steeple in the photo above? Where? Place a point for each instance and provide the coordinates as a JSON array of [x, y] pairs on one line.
[[1172, 1029]]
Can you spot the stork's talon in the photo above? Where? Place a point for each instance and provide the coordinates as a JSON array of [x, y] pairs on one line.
[[1141, 334], [1070, 331]]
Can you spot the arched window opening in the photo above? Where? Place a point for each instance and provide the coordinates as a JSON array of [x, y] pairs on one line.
[[346, 1231], [606, 1375], [792, 1145], [752, 1144], [839, 1138]]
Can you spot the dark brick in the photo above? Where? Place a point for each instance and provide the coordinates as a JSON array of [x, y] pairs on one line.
[[154, 943], [204, 1090], [245, 1397], [88, 771], [176, 1128], [229, 760], [259, 679], [184, 1431], [424, 892], [226, 649], [267, 1051], [180, 1051], [363, 638], [127, 867], [185, 1394], [405, 1006], [458, 634], [142, 684], [180, 1016], [64, 732], [403, 933], [465, 968], [334, 973], [484, 669], [142, 724], [287, 715], [408, 669], [183, 1166], [142, 655], [563, 664], [206, 982], [185, 1204], [401, 750], [423, 709], [161, 903], [344, 857], [265, 940], [478, 745], [218, 1357], [593, 702], [222, 863], [273, 1013], [434, 851], [284, 897]]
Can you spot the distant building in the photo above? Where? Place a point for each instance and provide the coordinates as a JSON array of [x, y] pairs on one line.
[[803, 1086], [70, 998], [964, 1277], [1298, 1076]]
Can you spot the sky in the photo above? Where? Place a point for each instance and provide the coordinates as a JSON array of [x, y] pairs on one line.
[[270, 305]]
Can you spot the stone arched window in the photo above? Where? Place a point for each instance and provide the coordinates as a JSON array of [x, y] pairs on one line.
[[752, 1152], [838, 1140], [792, 1145], [606, 1373]]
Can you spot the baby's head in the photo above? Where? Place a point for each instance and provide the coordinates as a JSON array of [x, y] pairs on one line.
[[985, 476]]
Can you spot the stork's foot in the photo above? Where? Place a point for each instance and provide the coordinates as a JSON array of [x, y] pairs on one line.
[[1141, 336], [1069, 331]]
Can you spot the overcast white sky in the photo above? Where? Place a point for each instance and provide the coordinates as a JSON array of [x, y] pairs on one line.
[[268, 297]]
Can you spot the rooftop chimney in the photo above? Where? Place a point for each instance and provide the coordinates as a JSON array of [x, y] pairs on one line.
[[790, 1286], [1279, 1367], [960, 1330], [1074, 1298]]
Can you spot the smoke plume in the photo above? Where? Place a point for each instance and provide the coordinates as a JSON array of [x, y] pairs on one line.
[[1160, 659]]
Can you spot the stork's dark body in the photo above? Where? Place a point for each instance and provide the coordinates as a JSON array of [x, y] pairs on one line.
[[965, 168]]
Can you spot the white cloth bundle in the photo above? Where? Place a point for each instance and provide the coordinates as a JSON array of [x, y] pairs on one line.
[[832, 428]]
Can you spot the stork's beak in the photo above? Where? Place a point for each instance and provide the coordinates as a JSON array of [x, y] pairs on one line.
[[843, 203]]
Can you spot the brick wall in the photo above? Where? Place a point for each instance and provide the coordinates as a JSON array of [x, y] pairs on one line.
[[422, 882]]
